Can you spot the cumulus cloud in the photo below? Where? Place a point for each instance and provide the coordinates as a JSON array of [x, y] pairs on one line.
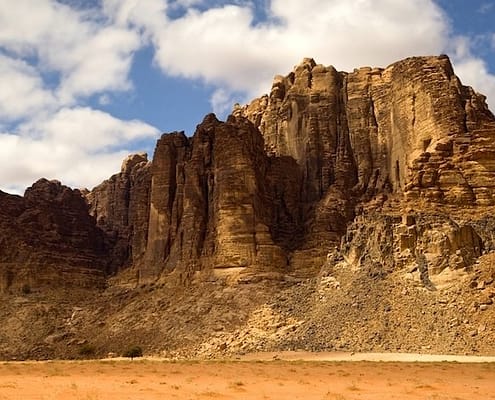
[[224, 47], [53, 57], [472, 70], [89, 56], [23, 91], [79, 146], [98, 64]]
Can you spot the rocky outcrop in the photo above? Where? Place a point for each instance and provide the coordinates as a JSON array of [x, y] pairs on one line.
[[377, 185], [411, 128], [422, 242], [210, 202], [275, 187], [120, 206], [47, 238], [410, 132]]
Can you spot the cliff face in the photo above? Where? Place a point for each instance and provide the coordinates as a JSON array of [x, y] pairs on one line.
[[120, 206], [378, 185], [410, 128], [47, 238], [210, 202], [275, 187]]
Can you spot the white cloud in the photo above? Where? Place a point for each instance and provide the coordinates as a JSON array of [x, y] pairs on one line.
[[26, 25], [89, 55], [22, 92], [47, 130], [223, 47], [148, 15], [221, 101], [472, 70], [100, 63], [79, 146]]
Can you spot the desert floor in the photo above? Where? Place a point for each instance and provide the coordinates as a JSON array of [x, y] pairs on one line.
[[279, 377]]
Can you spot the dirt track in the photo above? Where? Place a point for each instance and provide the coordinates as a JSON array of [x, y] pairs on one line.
[[276, 379]]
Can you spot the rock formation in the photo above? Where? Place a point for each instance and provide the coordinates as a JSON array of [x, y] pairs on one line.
[[275, 186], [410, 128], [120, 206], [410, 133], [210, 203], [349, 211], [47, 238]]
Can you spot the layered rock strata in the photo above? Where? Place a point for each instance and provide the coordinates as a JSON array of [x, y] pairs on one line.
[[210, 202], [48, 238], [411, 128], [120, 206], [275, 187]]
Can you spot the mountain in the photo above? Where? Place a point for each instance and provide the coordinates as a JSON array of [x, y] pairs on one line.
[[341, 211]]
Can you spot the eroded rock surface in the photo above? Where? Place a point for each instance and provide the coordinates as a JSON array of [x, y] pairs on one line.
[[411, 128], [343, 211], [120, 206], [275, 187], [210, 202], [48, 238]]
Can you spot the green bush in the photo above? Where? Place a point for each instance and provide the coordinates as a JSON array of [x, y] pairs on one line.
[[133, 352]]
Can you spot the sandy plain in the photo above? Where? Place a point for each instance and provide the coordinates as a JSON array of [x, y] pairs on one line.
[[268, 376]]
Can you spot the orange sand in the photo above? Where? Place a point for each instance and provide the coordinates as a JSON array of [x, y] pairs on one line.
[[278, 379]]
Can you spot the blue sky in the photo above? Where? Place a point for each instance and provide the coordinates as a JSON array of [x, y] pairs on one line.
[[86, 82]]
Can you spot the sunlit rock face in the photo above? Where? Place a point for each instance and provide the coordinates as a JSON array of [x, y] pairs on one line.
[[328, 161], [411, 128], [275, 187]]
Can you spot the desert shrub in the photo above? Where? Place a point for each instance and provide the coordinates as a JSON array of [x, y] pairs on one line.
[[134, 351], [87, 350]]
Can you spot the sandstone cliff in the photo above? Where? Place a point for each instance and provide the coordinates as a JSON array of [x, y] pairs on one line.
[[394, 140], [344, 210], [47, 238], [279, 185], [410, 128], [275, 187], [120, 206]]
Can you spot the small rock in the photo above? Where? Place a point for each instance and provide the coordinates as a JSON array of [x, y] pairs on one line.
[[222, 347], [486, 300]]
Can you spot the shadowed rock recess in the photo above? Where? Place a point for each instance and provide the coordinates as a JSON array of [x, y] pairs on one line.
[[349, 211]]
